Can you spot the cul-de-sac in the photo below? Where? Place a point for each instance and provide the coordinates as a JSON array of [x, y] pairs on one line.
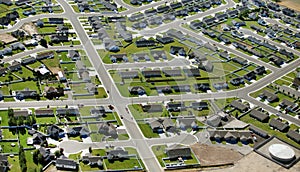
[[150, 85]]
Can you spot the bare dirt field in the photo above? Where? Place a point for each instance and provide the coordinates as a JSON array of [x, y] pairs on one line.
[[7, 38], [30, 28], [211, 155], [254, 162], [293, 4]]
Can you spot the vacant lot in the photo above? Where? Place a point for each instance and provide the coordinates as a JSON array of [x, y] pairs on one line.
[[210, 155]]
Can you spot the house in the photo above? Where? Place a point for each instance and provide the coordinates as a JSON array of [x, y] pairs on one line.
[[56, 21], [110, 45], [288, 105], [237, 104], [165, 39], [171, 72], [178, 151], [28, 60], [52, 92], [26, 93], [156, 126], [118, 57], [66, 164], [289, 12], [289, 91], [276, 124], [233, 13], [15, 66], [163, 89], [152, 108], [296, 82], [214, 121], [238, 23], [58, 38], [250, 76], [128, 74], [237, 81], [192, 72], [93, 161], [237, 34], [137, 90], [176, 34], [61, 76], [22, 2], [221, 17], [74, 55], [175, 5], [92, 88], [81, 131], [202, 87], [162, 8], [199, 105], [223, 39], [168, 125], [17, 46], [107, 129], [158, 54], [181, 88], [142, 56], [276, 60], [294, 135], [180, 50], [151, 73], [195, 25], [286, 53], [117, 154], [262, 117], [150, 12], [186, 122], [262, 22], [209, 21], [44, 112], [6, 2], [260, 70], [18, 113], [45, 55], [224, 54], [62, 112], [258, 131], [55, 132], [273, 6], [46, 154], [145, 43], [240, 61], [140, 25], [97, 111], [4, 165], [31, 42], [271, 97], [220, 86], [206, 65]]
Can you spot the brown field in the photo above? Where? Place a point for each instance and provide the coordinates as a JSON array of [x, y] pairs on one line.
[[212, 155], [7, 38], [293, 4], [30, 28]]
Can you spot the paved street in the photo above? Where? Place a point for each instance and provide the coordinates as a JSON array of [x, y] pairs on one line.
[[137, 140]]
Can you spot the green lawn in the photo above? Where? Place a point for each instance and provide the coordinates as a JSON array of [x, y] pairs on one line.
[[7, 148], [14, 162], [75, 156], [46, 120], [147, 131], [138, 113], [4, 117], [124, 164]]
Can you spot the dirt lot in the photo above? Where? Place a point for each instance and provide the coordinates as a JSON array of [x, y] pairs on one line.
[[253, 162], [209, 155], [30, 28], [293, 4], [7, 38]]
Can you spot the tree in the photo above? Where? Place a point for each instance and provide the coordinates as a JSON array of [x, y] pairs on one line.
[[57, 153], [40, 159], [35, 156], [43, 43], [90, 149]]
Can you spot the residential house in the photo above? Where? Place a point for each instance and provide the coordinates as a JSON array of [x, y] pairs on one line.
[[158, 54], [128, 74], [61, 76], [288, 105], [152, 108], [110, 45], [202, 87], [66, 164], [289, 12], [199, 105], [273, 6], [81, 131], [294, 135], [220, 86], [233, 13], [192, 72], [6, 2], [145, 43], [214, 121], [206, 66], [93, 161], [137, 90], [28, 60], [176, 34], [175, 106], [172, 72], [117, 154], [118, 57], [258, 131], [45, 55], [175, 5], [163, 89], [74, 55], [209, 21], [141, 57], [44, 112], [276, 60], [237, 81], [260, 116], [58, 38], [240, 61], [107, 129], [92, 88], [270, 97], [178, 151], [168, 125], [260, 70], [62, 112], [250, 76], [46, 154], [156, 126], [289, 91], [98, 111], [165, 39], [296, 81], [237, 104], [162, 8], [277, 124], [15, 66], [180, 50], [181, 88], [52, 92], [56, 21], [22, 2], [18, 113], [55, 132], [187, 122], [151, 73], [4, 165], [26, 93]]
